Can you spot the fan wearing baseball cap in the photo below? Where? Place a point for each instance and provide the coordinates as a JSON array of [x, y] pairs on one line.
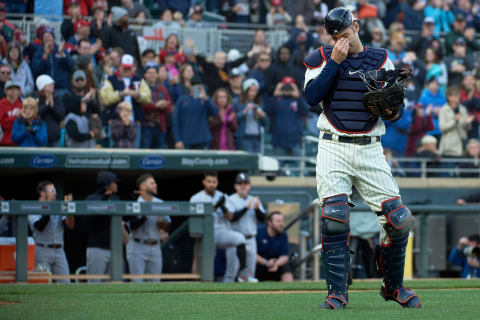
[[73, 10], [81, 30], [10, 109], [423, 41], [287, 110], [125, 85], [461, 29]]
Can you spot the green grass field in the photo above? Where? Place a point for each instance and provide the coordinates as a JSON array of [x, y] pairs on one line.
[[443, 299]]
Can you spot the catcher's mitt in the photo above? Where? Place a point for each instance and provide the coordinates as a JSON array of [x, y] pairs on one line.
[[386, 91], [385, 102]]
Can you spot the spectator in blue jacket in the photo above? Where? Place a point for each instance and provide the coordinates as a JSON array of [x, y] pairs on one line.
[[441, 13], [28, 129], [250, 116], [431, 95], [52, 60], [287, 111], [463, 255], [190, 118], [396, 134]]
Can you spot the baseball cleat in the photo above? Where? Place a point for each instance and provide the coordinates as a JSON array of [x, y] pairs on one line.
[[334, 302], [405, 297], [244, 276]]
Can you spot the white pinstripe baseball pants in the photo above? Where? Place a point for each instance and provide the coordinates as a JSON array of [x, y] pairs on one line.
[[341, 165]]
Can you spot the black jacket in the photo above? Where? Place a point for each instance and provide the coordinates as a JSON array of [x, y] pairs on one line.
[[115, 36], [99, 225], [215, 78], [72, 101], [52, 116]]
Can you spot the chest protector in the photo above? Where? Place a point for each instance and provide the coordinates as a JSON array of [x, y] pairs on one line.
[[343, 104]]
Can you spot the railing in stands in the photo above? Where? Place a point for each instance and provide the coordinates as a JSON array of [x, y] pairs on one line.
[[304, 165]]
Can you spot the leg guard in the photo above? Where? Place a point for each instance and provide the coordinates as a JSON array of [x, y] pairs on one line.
[[390, 258], [336, 255]]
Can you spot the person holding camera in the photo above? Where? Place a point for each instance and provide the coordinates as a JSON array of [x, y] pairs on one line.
[[466, 255], [190, 117], [287, 110], [250, 116], [28, 129]]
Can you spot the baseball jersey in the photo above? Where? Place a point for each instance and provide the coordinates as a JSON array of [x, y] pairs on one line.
[[149, 230], [53, 232], [247, 224], [218, 217], [324, 125]]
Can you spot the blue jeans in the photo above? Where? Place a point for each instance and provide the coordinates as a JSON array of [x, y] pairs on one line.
[[153, 137], [248, 143]]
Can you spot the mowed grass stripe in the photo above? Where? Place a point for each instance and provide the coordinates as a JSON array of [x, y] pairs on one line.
[[439, 304], [165, 287]]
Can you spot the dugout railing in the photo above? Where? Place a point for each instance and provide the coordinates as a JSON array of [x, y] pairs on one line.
[[200, 226], [309, 261]]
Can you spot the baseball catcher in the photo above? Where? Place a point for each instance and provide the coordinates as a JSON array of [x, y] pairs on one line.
[[358, 88]]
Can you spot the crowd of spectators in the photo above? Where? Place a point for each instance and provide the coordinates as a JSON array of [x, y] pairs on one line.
[[95, 88]]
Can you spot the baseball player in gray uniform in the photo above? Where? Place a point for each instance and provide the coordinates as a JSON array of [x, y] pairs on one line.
[[247, 210], [350, 153], [144, 253], [48, 234], [224, 236]]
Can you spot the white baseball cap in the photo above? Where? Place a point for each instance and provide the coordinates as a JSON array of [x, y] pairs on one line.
[[43, 81], [127, 61], [250, 82]]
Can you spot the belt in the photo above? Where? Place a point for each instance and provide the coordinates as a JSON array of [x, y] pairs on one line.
[[248, 236], [355, 140], [53, 246], [149, 242]]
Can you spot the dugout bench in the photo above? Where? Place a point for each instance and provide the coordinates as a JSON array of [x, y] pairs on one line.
[[200, 226]]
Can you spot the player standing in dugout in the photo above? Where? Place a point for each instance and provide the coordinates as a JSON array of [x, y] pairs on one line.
[[358, 88]]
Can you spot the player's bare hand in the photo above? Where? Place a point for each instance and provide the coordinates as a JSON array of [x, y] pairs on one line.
[[273, 268], [340, 50], [270, 263], [256, 204], [249, 203], [461, 202]]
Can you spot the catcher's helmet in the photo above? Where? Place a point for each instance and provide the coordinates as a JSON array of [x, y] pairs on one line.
[[338, 19]]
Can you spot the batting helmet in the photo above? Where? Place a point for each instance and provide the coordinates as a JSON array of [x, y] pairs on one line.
[[338, 19]]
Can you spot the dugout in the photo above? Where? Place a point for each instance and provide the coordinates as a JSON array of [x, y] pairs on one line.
[[178, 174]]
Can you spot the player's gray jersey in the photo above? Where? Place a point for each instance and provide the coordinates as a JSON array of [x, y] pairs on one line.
[[149, 230], [218, 216], [247, 224], [53, 232]]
